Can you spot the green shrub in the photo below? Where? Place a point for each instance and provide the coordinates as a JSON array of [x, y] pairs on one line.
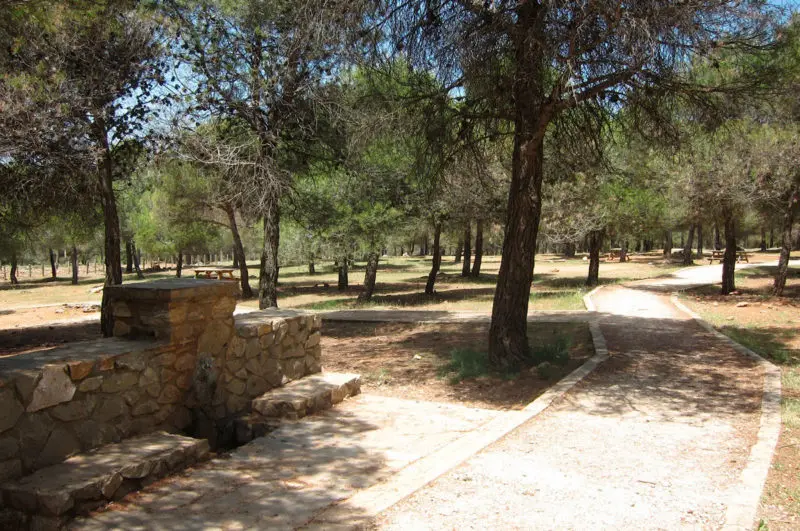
[[465, 363], [556, 353]]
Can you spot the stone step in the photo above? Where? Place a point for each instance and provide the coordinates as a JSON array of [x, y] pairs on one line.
[[49, 497], [307, 395]]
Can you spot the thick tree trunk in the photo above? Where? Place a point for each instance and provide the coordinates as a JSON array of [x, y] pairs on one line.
[[595, 242], [569, 250], [476, 264], [344, 277], [235, 259], [763, 243], [687, 247], [668, 243], [74, 264], [113, 242], [786, 243], [137, 259], [623, 251], [729, 258], [717, 238], [268, 274], [53, 265], [238, 253], [128, 257], [465, 266], [771, 237], [179, 265], [700, 241], [508, 339], [14, 266], [459, 250], [312, 270], [369, 277], [437, 259]]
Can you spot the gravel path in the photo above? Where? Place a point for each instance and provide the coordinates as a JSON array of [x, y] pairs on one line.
[[656, 438]]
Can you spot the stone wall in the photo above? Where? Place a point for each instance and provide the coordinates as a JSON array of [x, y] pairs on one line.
[[181, 363]]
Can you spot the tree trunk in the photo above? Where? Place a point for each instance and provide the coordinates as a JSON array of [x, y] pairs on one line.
[[111, 247], [508, 338], [763, 243], [53, 266], [700, 241], [467, 250], [235, 259], [437, 259], [786, 244], [687, 248], [729, 258], [312, 270], [238, 253], [623, 252], [425, 245], [459, 250], [595, 244], [344, 278], [771, 237], [717, 239], [668, 243], [74, 264], [128, 257], [179, 265], [268, 274], [137, 259], [369, 277], [14, 265], [476, 265], [569, 250]]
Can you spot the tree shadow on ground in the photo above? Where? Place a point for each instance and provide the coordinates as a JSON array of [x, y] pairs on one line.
[[551, 281]]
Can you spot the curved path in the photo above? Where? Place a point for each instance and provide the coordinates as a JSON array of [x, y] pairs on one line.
[[656, 438]]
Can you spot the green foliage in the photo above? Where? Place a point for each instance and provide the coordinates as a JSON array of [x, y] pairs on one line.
[[465, 364], [556, 352]]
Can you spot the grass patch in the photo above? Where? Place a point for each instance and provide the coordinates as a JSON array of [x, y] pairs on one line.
[[465, 364]]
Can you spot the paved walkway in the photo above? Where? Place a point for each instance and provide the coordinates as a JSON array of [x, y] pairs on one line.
[[656, 438]]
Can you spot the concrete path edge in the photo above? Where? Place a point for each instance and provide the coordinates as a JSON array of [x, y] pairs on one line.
[[370, 502], [743, 507]]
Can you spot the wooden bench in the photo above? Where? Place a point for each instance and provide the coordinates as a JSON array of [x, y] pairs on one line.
[[741, 256], [220, 273]]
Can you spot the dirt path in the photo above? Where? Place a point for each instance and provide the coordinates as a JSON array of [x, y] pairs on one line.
[[656, 438]]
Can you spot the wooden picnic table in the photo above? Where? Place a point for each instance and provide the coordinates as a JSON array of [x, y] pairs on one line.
[[220, 273], [741, 256]]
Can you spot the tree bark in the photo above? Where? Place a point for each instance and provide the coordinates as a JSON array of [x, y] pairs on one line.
[[74, 259], [729, 258], [369, 277], [128, 257], [344, 277], [179, 265], [53, 266], [137, 258], [687, 247], [623, 252], [14, 266], [771, 237], [763, 244], [268, 274], [717, 239], [312, 270], [238, 252], [111, 247], [459, 250], [476, 264], [700, 240], [467, 250], [569, 250], [595, 244], [786, 243], [668, 243], [437, 259]]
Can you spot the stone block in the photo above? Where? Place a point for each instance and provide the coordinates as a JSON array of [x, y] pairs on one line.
[[281, 328], [246, 331], [184, 381], [54, 387], [241, 373], [121, 309], [256, 385], [166, 359], [185, 362], [294, 368], [110, 407], [105, 364], [60, 445], [266, 341], [121, 328], [214, 339], [236, 387], [33, 429], [168, 376], [170, 395], [153, 390], [312, 365], [120, 381], [10, 469], [145, 408], [9, 448], [10, 409], [180, 418], [313, 340], [132, 396], [254, 366], [236, 347], [273, 373], [90, 384], [233, 365], [135, 361], [293, 352], [74, 410], [236, 404], [78, 370], [92, 434], [264, 328], [25, 382], [149, 376], [253, 348]]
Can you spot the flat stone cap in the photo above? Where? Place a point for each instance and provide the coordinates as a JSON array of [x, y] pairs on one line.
[[173, 289]]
